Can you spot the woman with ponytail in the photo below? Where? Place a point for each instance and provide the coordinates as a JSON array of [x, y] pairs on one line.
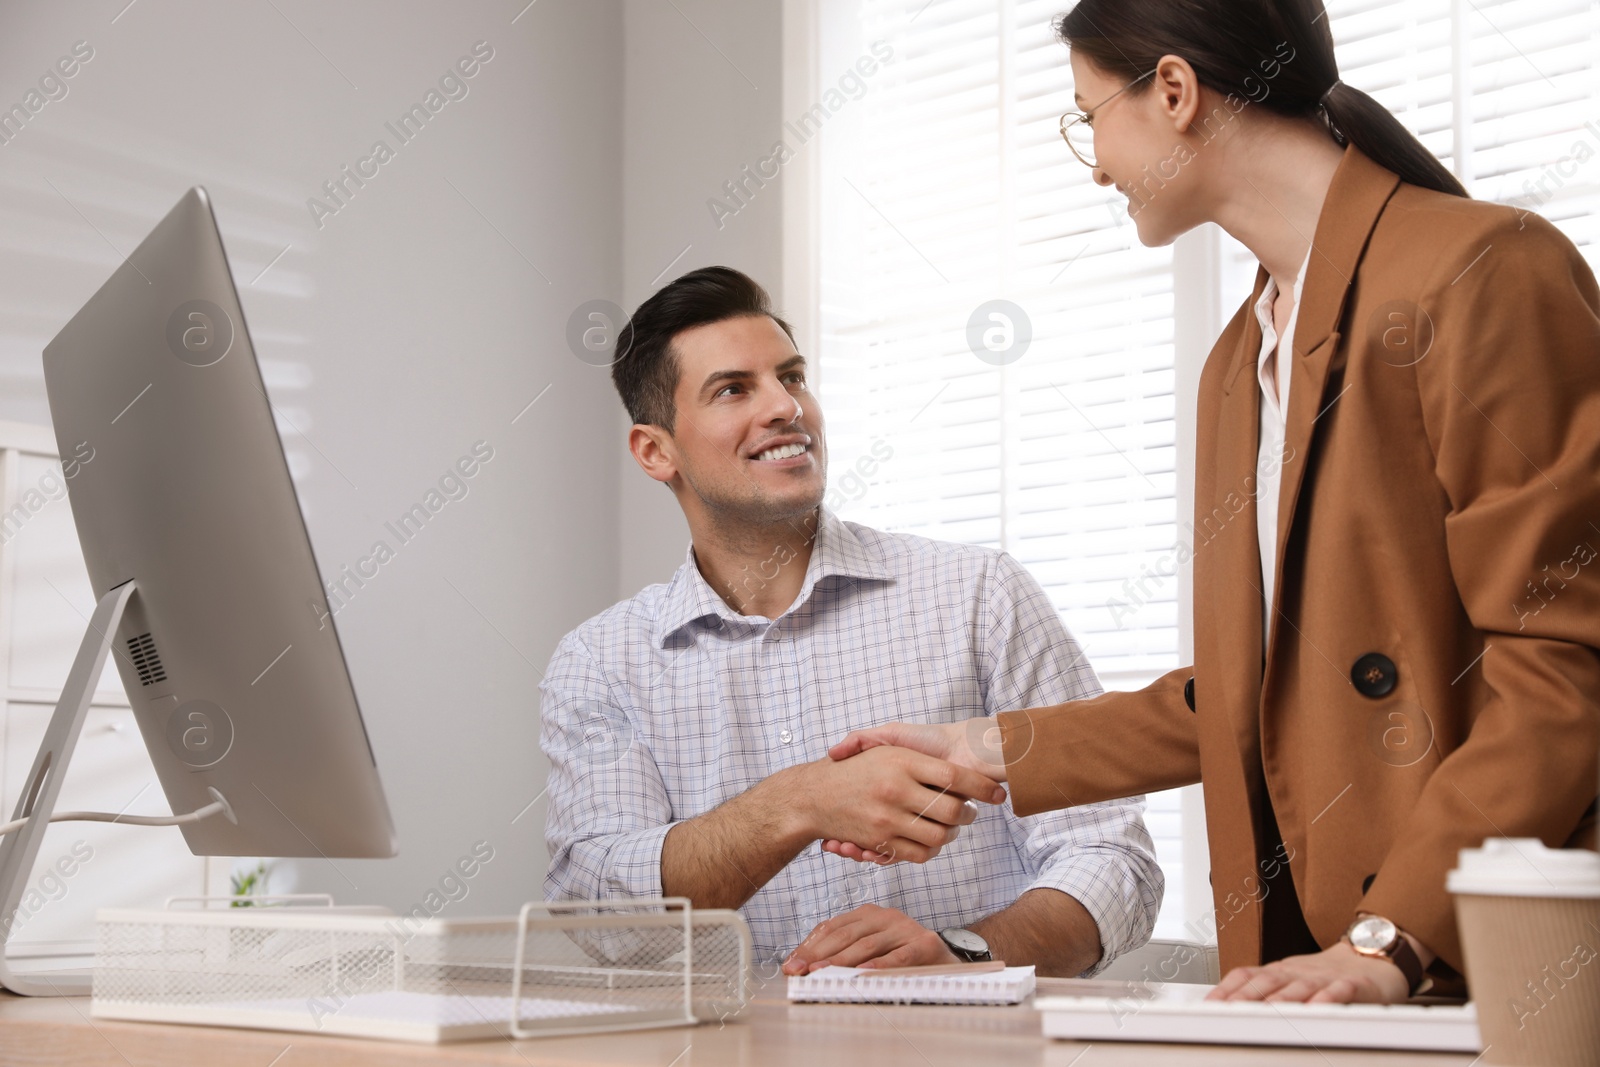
[[1397, 503]]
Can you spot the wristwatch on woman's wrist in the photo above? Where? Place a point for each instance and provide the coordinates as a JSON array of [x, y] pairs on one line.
[[1378, 938]]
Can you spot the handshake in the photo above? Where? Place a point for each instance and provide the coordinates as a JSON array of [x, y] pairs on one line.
[[898, 792]]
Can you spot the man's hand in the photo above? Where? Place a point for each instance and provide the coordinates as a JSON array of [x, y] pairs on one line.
[[973, 744], [871, 937], [892, 803], [1337, 975]]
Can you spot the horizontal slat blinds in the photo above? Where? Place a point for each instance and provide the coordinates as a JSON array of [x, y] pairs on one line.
[[1531, 71], [949, 186], [958, 190]]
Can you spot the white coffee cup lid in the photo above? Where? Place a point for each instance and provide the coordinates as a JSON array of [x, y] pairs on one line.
[[1524, 867]]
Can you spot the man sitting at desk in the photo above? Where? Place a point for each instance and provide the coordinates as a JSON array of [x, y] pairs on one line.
[[688, 727]]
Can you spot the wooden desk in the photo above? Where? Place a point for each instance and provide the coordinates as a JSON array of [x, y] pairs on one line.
[[773, 1033]]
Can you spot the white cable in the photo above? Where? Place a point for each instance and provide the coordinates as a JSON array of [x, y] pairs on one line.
[[220, 805]]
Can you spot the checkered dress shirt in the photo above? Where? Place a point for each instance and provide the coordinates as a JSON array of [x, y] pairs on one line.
[[670, 703]]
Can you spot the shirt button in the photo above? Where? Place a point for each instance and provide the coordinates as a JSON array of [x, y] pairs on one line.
[[1374, 675], [786, 736]]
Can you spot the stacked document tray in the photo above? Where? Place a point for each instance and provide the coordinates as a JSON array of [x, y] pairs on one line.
[[570, 968]]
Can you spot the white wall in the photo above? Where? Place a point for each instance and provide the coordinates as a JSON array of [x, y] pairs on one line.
[[704, 98], [420, 318]]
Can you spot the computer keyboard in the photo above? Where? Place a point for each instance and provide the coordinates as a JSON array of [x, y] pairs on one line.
[[1179, 1013]]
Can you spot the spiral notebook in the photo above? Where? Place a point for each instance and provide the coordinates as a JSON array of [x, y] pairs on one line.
[[851, 985]]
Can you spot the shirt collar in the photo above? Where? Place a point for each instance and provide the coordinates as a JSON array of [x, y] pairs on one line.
[[1271, 342], [1269, 295], [838, 552]]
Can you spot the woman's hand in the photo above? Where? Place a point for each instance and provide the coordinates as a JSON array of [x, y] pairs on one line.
[[1337, 975], [973, 743]]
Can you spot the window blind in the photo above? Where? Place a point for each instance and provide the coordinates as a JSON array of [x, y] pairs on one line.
[[958, 191], [948, 187], [1531, 78]]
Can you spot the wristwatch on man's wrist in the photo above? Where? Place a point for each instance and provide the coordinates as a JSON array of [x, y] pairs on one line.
[[968, 946], [1377, 937]]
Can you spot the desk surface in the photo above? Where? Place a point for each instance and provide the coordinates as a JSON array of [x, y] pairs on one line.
[[773, 1033]]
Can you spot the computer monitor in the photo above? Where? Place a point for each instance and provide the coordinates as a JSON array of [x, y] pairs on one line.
[[193, 535]]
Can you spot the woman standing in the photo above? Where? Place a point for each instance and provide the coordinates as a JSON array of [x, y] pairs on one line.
[[1397, 511]]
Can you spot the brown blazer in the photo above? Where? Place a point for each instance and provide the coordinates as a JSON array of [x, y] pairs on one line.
[[1432, 677]]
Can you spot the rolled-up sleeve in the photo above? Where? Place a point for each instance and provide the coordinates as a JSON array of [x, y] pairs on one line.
[[1099, 854], [608, 810]]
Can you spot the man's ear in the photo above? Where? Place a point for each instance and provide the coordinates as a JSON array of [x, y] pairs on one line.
[[655, 451], [1179, 87]]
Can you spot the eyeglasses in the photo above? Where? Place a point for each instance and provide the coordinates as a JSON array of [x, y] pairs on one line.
[[1077, 127]]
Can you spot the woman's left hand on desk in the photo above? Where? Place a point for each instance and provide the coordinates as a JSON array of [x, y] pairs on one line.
[[1337, 975]]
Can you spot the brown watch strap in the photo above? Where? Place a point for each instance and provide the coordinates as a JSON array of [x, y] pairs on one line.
[[1403, 956]]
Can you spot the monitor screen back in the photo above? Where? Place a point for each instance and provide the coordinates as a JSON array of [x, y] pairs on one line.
[[178, 482]]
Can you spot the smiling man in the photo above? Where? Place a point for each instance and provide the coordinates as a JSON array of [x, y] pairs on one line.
[[688, 727]]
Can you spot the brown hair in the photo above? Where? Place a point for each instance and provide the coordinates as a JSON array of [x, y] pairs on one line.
[[1230, 43]]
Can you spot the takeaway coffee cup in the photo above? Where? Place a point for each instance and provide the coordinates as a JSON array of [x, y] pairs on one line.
[[1530, 931]]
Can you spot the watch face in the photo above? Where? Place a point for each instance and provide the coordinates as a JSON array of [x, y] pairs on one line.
[[965, 940], [1373, 936]]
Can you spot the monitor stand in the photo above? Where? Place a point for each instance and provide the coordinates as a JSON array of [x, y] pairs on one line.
[[38, 801]]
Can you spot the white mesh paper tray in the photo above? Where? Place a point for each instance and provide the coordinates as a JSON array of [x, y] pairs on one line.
[[571, 968]]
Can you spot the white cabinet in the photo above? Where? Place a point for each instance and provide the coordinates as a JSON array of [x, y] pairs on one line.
[[45, 604]]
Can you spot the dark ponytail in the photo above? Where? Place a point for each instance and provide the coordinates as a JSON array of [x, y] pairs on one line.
[[1275, 53]]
